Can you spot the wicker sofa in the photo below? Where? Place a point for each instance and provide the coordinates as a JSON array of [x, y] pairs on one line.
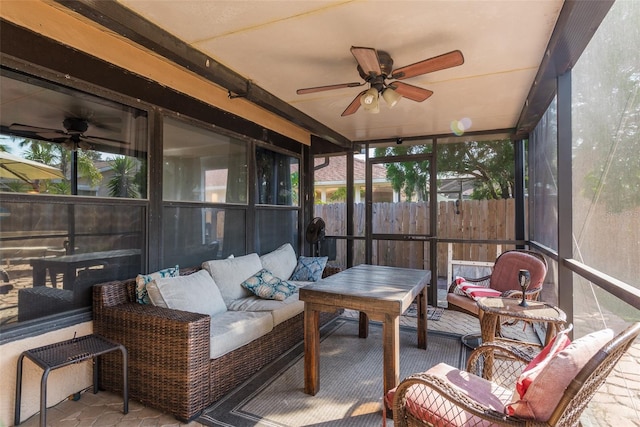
[[170, 363]]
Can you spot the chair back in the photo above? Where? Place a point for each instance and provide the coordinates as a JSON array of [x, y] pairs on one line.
[[504, 276], [582, 388]]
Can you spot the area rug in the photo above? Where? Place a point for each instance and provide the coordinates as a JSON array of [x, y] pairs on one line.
[[433, 313], [350, 381]]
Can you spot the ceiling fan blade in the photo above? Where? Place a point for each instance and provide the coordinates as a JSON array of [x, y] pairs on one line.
[[328, 87], [52, 134], [28, 131], [411, 92], [99, 138], [34, 129], [367, 60], [447, 60], [353, 107]]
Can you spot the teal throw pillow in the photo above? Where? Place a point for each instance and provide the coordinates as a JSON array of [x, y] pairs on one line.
[[309, 269], [142, 279], [267, 286]]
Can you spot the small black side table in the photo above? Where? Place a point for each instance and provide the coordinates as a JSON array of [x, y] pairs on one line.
[[65, 353]]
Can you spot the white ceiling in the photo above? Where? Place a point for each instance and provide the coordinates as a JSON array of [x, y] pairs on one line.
[[282, 46]]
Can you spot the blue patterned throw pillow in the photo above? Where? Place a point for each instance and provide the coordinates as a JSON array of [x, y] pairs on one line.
[[309, 269], [142, 279], [267, 286]]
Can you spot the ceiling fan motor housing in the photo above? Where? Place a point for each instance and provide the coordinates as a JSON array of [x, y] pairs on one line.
[[75, 125], [386, 66]]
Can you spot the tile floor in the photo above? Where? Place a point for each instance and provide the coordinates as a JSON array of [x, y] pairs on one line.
[[105, 409]]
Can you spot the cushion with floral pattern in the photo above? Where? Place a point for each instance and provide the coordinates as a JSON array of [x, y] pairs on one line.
[[267, 286], [143, 279], [309, 269]]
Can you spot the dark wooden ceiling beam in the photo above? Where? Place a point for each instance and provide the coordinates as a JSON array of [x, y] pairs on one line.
[[126, 23]]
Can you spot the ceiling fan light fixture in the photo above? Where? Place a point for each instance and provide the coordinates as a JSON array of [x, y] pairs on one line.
[[391, 97], [369, 100]]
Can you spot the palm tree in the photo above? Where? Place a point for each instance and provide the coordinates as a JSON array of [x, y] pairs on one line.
[[123, 182], [54, 154]]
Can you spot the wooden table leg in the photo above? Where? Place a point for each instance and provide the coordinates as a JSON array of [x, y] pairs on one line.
[[363, 325], [391, 352], [311, 351], [69, 277], [39, 273], [422, 320]]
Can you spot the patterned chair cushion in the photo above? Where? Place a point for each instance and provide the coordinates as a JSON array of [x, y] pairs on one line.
[[309, 269], [143, 279], [265, 285]]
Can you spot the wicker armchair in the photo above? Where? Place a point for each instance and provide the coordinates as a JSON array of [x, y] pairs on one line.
[[504, 278], [444, 396]]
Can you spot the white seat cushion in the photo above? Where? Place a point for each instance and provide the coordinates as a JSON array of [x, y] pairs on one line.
[[233, 329], [280, 310]]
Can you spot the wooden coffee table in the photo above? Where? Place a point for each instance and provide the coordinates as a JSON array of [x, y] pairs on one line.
[[382, 294]]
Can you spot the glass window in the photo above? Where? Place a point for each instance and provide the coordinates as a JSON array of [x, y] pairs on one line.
[[62, 141], [192, 235], [202, 166], [277, 178], [53, 252], [276, 227], [544, 179]]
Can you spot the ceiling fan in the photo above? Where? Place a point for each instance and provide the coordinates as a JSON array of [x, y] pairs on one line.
[[72, 137], [375, 67]]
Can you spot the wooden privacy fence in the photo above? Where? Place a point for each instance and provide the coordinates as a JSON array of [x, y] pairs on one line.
[[469, 220]]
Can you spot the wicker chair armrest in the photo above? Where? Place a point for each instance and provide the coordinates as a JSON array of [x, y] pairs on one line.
[[169, 351], [502, 360], [434, 385], [157, 333], [478, 279], [165, 322]]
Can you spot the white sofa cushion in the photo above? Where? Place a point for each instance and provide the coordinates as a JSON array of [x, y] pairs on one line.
[[280, 310], [195, 292], [280, 262], [233, 329], [229, 274]]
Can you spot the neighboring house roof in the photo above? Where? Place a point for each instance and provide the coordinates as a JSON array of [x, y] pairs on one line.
[[336, 170]]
